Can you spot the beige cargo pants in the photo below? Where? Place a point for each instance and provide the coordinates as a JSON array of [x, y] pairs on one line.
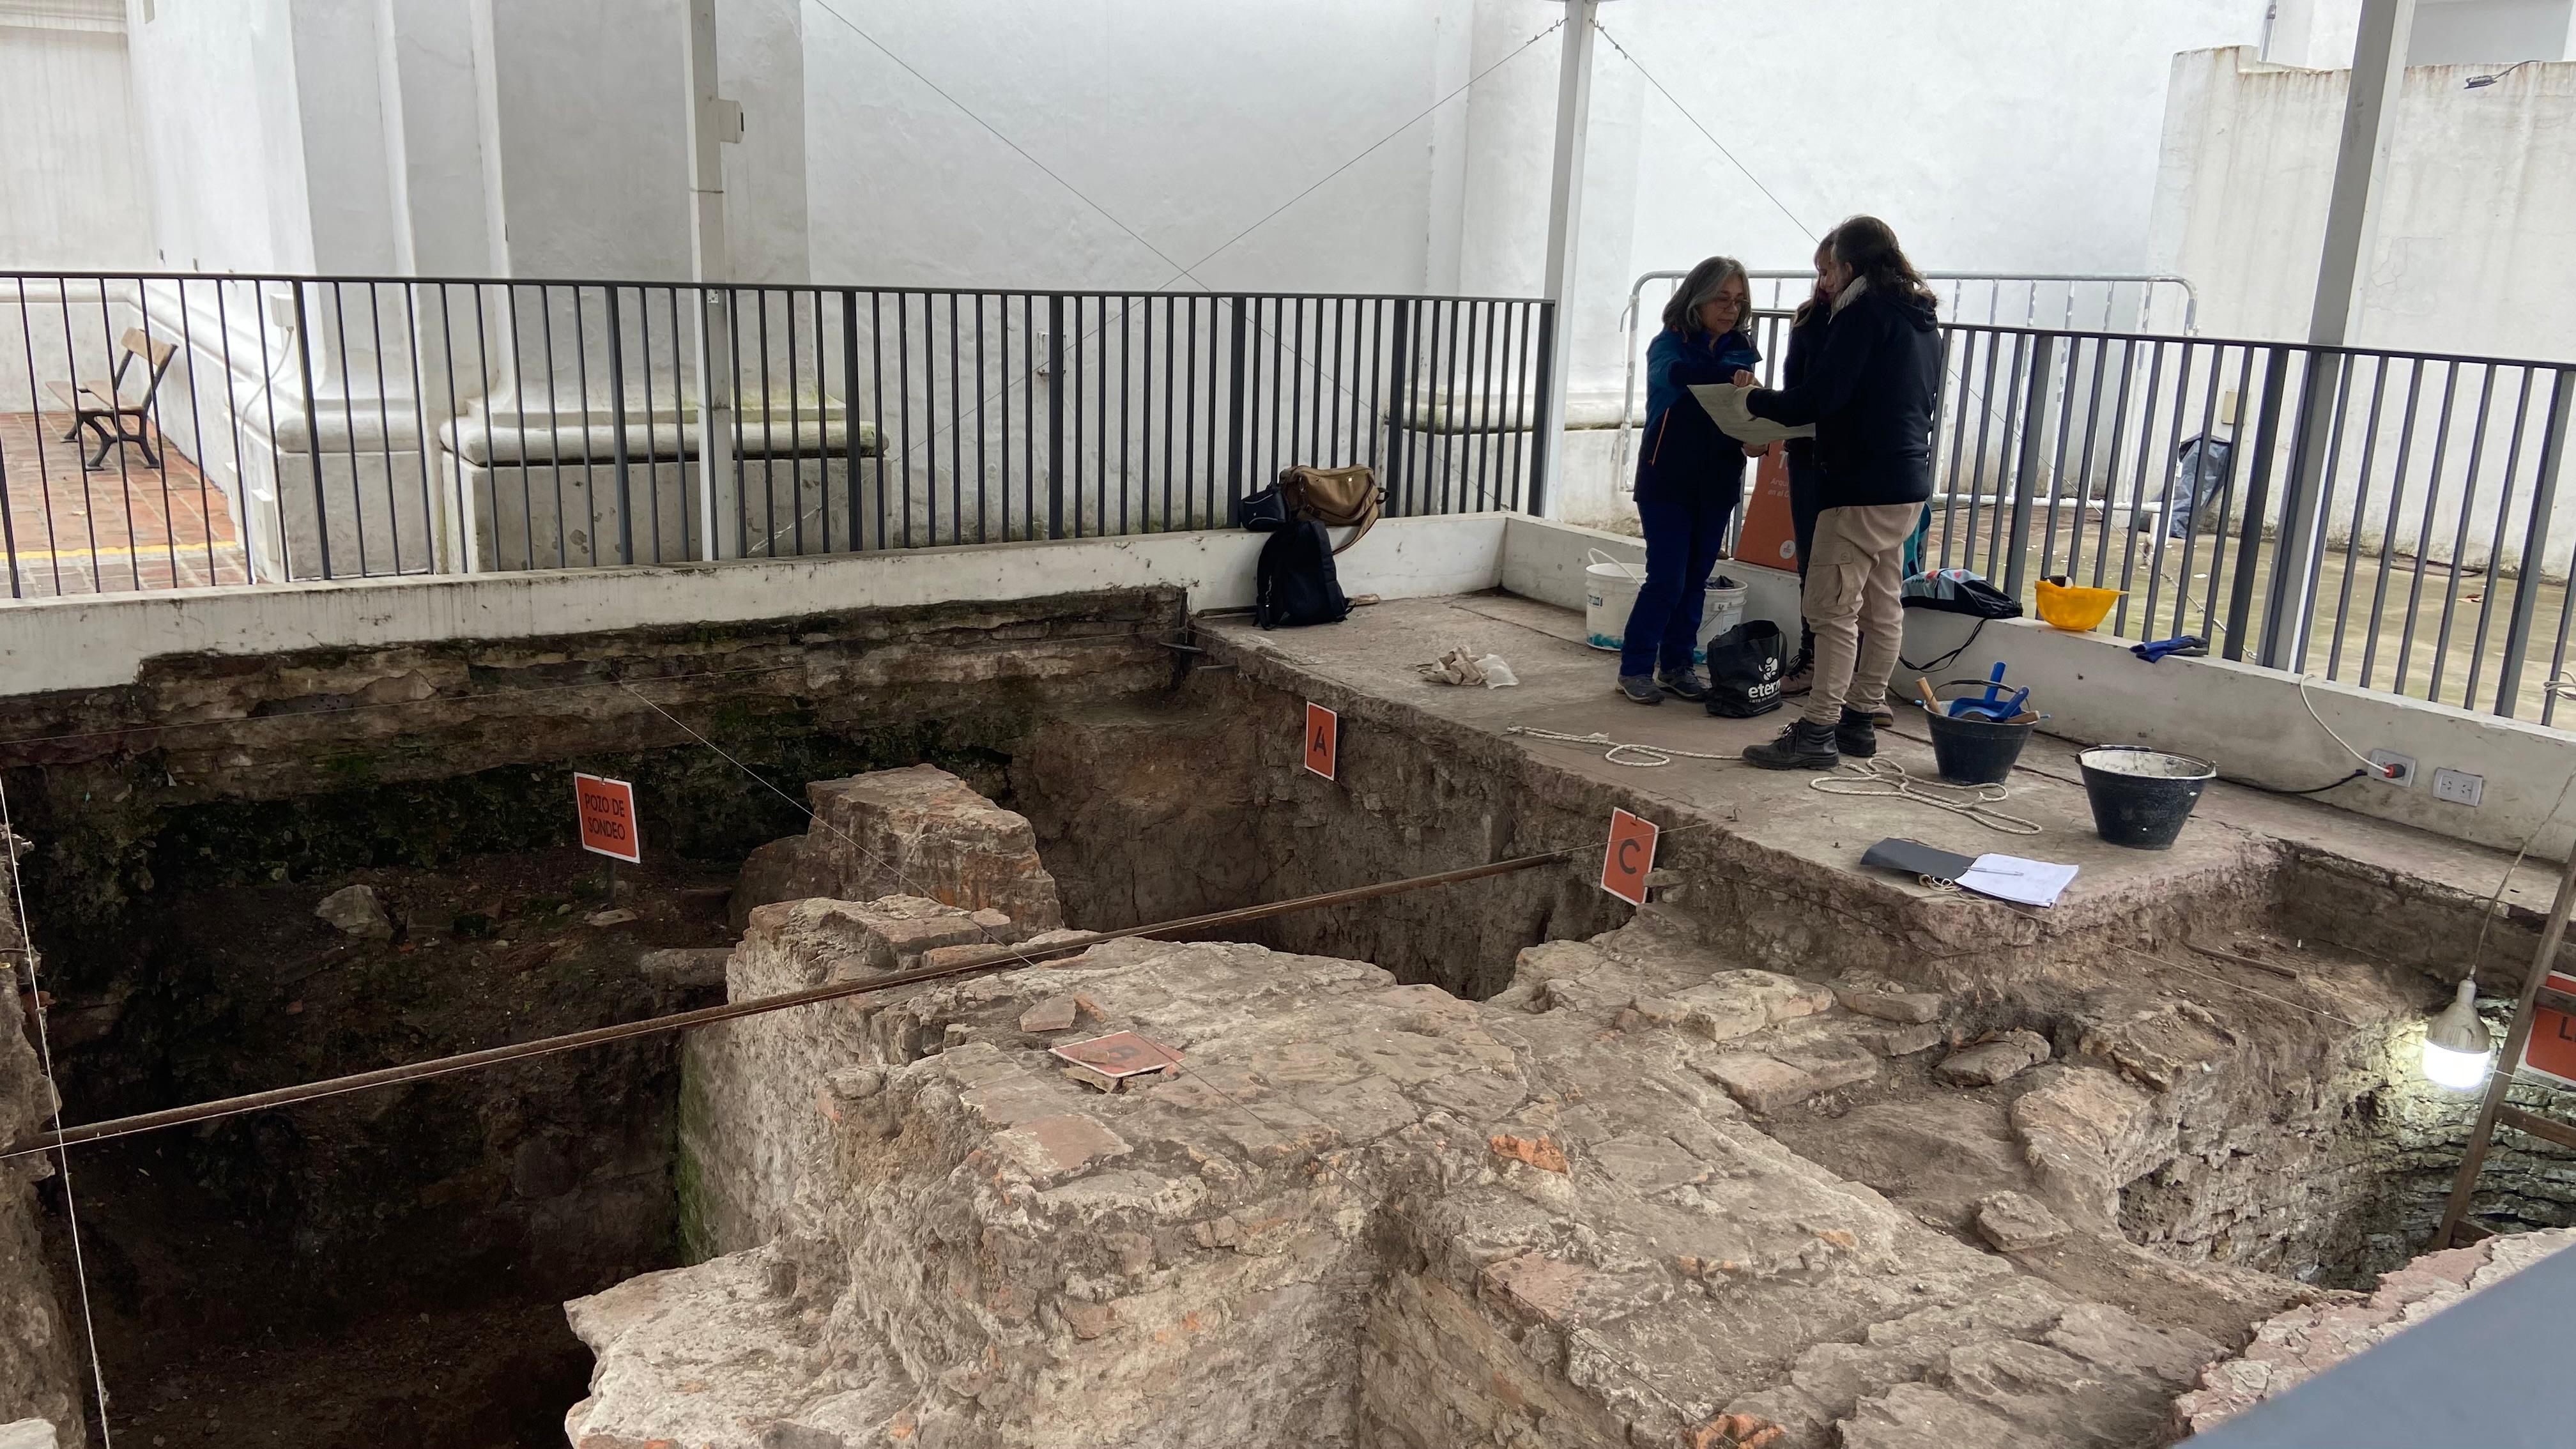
[[1853, 595]]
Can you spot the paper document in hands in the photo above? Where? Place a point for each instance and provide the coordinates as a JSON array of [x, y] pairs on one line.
[[1724, 401], [2012, 878]]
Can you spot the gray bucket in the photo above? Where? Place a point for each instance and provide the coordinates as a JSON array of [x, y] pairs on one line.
[[2140, 796]]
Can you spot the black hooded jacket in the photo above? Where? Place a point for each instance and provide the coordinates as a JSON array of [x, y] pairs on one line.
[[1871, 393]]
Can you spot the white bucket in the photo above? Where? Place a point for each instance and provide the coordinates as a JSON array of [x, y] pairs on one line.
[[1609, 596], [1723, 611]]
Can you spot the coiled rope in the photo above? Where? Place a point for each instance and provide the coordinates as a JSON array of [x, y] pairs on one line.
[[1880, 778], [1887, 779]]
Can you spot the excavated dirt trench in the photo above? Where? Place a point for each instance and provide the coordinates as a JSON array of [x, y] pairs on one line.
[[2318, 1153], [388, 1269]]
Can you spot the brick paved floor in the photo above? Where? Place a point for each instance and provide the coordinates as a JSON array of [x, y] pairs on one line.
[[125, 527]]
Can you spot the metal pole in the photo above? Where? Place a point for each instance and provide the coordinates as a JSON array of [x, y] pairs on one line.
[[1564, 225], [2369, 123], [2500, 1080], [2535, 543], [995, 958], [713, 120], [2033, 450]]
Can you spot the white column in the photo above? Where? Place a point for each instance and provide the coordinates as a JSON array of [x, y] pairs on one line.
[[713, 120], [1564, 224], [2369, 122]]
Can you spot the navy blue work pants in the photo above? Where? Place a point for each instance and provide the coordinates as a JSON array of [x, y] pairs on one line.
[[1682, 538]]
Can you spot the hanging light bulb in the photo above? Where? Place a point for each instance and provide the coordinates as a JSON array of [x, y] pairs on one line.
[[2457, 1051]]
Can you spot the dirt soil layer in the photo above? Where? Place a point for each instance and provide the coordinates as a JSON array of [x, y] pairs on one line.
[[383, 1268]]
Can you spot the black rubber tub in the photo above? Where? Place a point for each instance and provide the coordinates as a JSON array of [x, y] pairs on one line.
[[2140, 796]]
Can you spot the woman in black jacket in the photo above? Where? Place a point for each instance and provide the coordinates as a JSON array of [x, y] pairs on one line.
[[1690, 476], [1871, 393]]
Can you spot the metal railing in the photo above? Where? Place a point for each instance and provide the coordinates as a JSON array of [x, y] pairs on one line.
[[2129, 301], [2383, 518], [173, 430]]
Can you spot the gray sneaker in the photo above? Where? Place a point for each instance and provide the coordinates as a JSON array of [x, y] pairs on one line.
[[1682, 684], [1641, 688]]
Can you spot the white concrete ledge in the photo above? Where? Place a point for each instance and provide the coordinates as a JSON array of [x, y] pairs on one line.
[[2247, 719], [80, 643]]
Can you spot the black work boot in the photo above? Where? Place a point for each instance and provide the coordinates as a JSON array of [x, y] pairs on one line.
[[1857, 735], [1802, 746]]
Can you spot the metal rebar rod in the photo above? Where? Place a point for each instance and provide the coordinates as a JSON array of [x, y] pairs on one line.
[[2500, 1078], [992, 959]]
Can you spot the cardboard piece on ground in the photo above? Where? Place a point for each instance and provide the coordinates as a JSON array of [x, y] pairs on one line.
[[606, 809], [1630, 857], [1323, 740]]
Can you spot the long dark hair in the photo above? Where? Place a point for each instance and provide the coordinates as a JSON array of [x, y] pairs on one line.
[[1681, 314], [1868, 246], [1816, 298]]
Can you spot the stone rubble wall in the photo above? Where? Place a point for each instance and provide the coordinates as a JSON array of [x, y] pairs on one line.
[[2297, 1346], [38, 1366], [1362, 1214], [916, 832], [897, 864]]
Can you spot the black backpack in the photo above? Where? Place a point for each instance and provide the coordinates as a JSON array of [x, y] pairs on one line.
[[1296, 583], [1744, 668]]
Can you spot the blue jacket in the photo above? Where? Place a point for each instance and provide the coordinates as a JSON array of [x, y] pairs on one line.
[[1681, 447], [1871, 392]]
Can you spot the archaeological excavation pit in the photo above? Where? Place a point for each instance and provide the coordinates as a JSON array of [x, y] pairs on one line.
[[1799, 1154]]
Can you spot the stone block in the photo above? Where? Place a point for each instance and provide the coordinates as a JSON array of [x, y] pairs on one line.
[[2017, 1224], [2088, 1133], [1731, 1004], [27, 1434], [1761, 1083], [687, 967], [1904, 1041], [1059, 1146], [1999, 1060], [1056, 1013], [357, 912], [1908, 1007]]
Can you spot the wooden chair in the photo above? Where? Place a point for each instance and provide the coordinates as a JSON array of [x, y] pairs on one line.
[[102, 407]]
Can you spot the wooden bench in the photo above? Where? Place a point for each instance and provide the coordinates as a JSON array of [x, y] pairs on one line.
[[103, 409]]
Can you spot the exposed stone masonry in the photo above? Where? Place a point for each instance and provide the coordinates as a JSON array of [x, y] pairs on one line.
[[1642, 1195]]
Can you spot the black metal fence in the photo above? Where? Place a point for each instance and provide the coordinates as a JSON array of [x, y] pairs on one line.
[[176, 430], [2383, 518]]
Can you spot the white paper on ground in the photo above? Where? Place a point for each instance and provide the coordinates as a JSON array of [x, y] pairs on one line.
[[2012, 878]]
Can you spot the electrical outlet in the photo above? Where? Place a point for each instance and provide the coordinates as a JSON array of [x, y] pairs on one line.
[[2399, 770], [2459, 787]]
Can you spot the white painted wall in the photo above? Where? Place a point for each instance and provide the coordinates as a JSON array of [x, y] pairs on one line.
[[71, 192], [2477, 216]]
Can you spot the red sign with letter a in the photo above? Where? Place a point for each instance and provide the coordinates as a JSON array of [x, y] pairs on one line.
[[1630, 857], [607, 811], [1323, 740]]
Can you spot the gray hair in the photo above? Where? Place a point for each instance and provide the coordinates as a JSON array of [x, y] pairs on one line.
[[1681, 313]]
